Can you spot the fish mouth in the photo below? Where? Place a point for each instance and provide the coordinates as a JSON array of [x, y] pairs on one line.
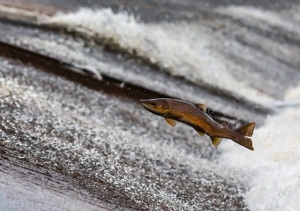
[[153, 106], [146, 104]]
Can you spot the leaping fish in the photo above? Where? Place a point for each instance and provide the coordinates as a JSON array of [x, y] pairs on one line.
[[194, 115]]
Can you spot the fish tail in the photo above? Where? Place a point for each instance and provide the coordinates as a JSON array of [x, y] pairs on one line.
[[246, 130], [244, 141]]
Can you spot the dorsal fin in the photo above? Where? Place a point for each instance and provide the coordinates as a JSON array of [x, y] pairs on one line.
[[216, 141], [170, 122], [201, 106], [224, 124], [246, 130]]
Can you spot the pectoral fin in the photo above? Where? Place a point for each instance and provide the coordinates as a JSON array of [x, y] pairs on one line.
[[201, 106], [216, 141], [171, 122]]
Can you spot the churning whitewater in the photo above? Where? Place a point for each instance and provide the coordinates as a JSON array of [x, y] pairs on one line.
[[165, 44], [272, 170], [194, 51]]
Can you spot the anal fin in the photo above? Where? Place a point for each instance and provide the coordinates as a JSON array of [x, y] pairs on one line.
[[216, 141], [170, 122]]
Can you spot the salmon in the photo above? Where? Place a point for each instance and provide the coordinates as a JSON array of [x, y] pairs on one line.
[[195, 116]]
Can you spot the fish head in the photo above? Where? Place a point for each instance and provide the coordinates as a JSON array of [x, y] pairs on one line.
[[157, 106]]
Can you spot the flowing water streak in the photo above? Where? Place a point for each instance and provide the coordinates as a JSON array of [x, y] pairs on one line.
[[285, 21], [181, 48], [272, 169]]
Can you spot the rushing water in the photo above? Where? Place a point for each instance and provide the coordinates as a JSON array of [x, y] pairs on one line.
[[200, 54], [272, 169], [248, 52]]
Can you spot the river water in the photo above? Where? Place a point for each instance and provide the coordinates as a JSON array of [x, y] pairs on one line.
[[243, 62], [129, 155]]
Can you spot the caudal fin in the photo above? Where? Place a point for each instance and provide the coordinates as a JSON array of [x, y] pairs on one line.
[[246, 130], [245, 142]]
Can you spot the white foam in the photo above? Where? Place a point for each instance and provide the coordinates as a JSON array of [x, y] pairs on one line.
[[272, 170], [184, 49], [293, 94]]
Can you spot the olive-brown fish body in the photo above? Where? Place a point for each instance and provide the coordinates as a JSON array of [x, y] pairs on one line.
[[194, 115], [196, 118]]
